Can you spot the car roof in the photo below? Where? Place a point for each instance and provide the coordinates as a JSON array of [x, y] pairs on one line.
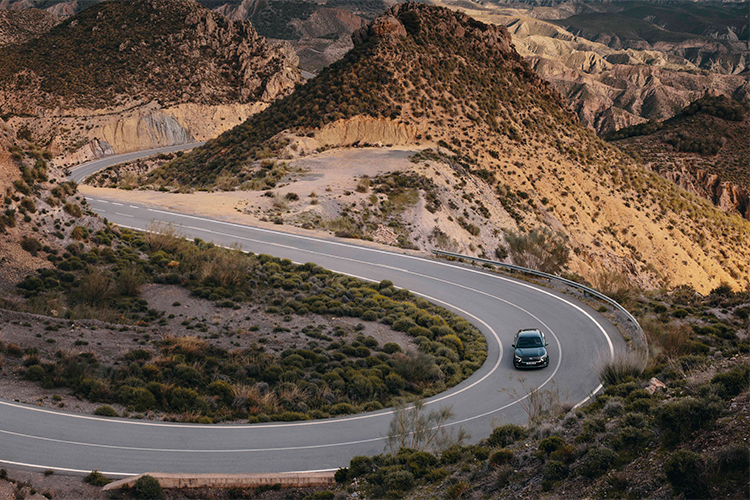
[[531, 332]]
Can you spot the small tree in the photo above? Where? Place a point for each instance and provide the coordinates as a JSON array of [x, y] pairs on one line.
[[414, 427], [148, 488]]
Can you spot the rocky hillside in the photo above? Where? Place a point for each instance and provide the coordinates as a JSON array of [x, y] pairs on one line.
[[704, 149], [18, 26], [139, 73], [629, 74], [39, 209], [424, 77]]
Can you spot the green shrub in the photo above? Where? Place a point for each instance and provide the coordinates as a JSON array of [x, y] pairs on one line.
[[680, 419], [106, 411], [554, 470], [684, 470], [35, 373], [359, 466], [506, 434], [31, 245], [501, 457], [147, 488], [597, 462], [96, 478], [733, 460], [732, 382], [550, 444], [137, 399], [632, 438], [73, 209], [391, 347], [421, 463]]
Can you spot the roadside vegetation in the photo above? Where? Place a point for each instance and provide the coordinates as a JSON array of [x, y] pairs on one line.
[[668, 425], [187, 377]]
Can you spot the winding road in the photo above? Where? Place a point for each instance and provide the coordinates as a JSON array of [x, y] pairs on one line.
[[497, 305]]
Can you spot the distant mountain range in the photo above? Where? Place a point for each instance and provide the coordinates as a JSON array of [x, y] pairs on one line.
[[616, 63]]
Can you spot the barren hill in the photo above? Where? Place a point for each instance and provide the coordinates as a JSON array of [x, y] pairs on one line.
[[500, 151], [139, 73]]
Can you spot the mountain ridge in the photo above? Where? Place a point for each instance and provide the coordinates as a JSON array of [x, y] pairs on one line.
[[425, 78]]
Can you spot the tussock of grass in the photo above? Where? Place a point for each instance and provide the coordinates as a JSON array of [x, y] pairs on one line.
[[624, 366]]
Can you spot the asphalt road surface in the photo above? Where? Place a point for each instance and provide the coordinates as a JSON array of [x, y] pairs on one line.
[[496, 393]]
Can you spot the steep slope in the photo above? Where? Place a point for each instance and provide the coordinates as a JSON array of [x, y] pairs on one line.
[[39, 209], [510, 155], [22, 25], [137, 73], [704, 149]]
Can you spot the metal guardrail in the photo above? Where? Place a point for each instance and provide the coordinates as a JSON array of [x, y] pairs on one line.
[[568, 282]]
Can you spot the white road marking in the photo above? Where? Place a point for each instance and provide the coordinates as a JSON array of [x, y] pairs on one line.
[[134, 206], [578, 308], [124, 215], [118, 204]]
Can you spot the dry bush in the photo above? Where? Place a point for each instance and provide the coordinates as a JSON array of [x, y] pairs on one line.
[[541, 249], [416, 428], [670, 340], [625, 364], [227, 268], [162, 236], [185, 345], [614, 285], [95, 287], [539, 403]]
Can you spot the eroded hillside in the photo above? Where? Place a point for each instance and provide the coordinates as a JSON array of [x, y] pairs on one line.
[[135, 74], [616, 69], [704, 149], [500, 138]]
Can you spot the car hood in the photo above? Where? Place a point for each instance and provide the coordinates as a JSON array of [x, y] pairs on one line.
[[531, 351]]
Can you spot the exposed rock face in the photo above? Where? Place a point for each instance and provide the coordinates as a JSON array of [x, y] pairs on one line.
[[157, 72], [704, 152], [614, 88]]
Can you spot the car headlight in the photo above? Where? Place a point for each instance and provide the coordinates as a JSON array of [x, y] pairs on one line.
[[545, 357], [517, 357]]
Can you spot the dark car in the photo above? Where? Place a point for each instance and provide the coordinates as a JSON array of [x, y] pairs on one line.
[[530, 349]]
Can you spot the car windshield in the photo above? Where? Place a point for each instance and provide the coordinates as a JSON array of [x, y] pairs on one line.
[[529, 342]]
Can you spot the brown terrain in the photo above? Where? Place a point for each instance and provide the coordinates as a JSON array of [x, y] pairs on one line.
[[704, 149], [18, 26], [474, 175], [79, 109], [614, 82]]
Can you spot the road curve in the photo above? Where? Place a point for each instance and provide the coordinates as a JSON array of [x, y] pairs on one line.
[[497, 305]]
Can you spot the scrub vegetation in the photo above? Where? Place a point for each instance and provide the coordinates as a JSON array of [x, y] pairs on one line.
[[188, 377], [664, 426]]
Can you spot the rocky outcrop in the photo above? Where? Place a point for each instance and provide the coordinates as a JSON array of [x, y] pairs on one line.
[[614, 88], [725, 195], [362, 130]]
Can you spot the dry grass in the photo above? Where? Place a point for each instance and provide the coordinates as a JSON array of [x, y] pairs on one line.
[[624, 365]]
